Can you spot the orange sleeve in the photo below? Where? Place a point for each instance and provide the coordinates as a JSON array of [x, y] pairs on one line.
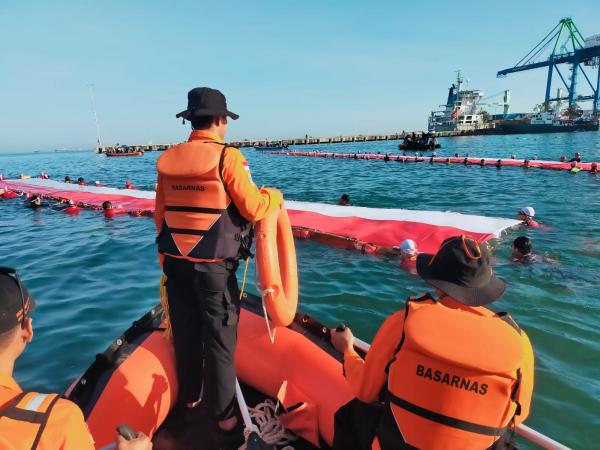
[[67, 419], [527, 380], [252, 203], [159, 205], [367, 377]]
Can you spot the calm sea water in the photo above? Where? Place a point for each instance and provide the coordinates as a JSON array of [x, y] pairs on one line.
[[92, 277]]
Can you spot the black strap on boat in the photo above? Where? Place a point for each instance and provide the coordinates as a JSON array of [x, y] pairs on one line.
[[446, 420]]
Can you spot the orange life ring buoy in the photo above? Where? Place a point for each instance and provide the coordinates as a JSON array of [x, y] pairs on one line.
[[276, 264]]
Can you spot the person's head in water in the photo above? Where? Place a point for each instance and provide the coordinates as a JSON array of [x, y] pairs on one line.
[[574, 165], [207, 110], [499, 163], [67, 179], [594, 167], [563, 158], [521, 247], [107, 205], [526, 214], [344, 200], [36, 200], [408, 250], [80, 180]]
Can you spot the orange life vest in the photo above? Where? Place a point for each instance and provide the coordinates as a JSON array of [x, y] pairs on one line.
[[23, 419], [200, 220], [453, 380]]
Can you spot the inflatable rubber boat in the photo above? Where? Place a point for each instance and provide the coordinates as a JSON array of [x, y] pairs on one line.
[[134, 382]]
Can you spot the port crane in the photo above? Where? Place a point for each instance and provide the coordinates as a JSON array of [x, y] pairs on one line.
[[568, 47]]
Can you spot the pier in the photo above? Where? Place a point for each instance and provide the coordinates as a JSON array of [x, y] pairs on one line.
[[307, 140]]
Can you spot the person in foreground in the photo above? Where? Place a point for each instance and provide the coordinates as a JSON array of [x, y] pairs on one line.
[[29, 419], [205, 203], [445, 372]]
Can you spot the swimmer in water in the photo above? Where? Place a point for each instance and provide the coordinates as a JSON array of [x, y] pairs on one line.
[[107, 205], [574, 167], [594, 168], [35, 201], [80, 181], [526, 215], [521, 251], [498, 164], [67, 179], [576, 158], [344, 200], [408, 253]]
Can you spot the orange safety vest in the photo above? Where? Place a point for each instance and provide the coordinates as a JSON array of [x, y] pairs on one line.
[[454, 379], [201, 222], [23, 419]]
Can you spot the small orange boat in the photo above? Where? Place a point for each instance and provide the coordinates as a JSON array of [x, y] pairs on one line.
[[134, 382]]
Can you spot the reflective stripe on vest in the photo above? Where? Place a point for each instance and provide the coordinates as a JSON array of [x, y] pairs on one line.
[[24, 418], [455, 376], [200, 220]]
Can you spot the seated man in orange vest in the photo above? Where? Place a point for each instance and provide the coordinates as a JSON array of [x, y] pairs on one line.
[[443, 373], [31, 420], [205, 203]]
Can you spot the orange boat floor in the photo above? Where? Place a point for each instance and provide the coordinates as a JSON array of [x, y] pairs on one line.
[[201, 434]]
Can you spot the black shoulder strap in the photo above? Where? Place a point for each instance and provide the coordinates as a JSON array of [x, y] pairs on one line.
[[11, 404], [44, 422], [11, 411]]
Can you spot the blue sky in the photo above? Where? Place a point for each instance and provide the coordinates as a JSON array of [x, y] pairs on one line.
[[288, 68]]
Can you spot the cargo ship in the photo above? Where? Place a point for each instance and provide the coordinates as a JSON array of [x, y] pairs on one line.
[[464, 112]]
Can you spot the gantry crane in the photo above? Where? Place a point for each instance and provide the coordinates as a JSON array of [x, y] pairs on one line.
[[568, 47]]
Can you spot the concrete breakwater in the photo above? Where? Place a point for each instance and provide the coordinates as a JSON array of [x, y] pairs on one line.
[[307, 140]]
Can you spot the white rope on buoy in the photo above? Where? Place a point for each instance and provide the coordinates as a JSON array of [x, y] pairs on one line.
[[270, 429], [263, 294]]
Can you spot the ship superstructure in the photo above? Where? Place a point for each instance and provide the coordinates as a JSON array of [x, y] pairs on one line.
[[460, 112]]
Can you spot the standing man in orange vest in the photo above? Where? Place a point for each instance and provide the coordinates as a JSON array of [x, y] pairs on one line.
[[29, 420], [206, 202], [443, 373]]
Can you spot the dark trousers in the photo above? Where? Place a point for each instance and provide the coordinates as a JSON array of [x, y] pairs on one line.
[[204, 307]]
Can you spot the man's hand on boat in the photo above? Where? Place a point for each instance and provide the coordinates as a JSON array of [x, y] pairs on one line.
[[141, 442], [342, 340]]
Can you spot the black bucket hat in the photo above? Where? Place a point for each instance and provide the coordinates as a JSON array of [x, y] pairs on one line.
[[205, 101], [462, 269]]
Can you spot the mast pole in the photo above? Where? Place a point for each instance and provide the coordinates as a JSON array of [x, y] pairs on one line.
[[91, 89]]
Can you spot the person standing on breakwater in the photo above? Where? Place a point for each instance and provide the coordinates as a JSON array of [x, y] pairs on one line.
[[30, 419], [453, 373], [205, 201]]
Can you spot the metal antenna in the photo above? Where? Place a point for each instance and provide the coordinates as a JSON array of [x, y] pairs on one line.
[[91, 88]]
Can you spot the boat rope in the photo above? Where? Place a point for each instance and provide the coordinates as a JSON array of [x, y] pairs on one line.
[[270, 428], [164, 302], [263, 294], [244, 278]]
